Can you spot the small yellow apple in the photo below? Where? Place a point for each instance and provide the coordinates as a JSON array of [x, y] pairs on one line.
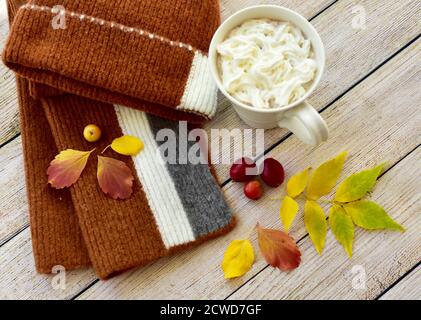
[[92, 133]]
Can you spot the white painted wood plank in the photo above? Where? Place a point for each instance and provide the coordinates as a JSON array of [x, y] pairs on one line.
[[382, 255], [294, 163], [409, 288], [9, 118], [350, 54], [19, 280], [228, 7], [13, 200], [370, 121]]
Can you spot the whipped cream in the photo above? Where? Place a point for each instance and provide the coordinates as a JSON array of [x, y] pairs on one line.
[[266, 63]]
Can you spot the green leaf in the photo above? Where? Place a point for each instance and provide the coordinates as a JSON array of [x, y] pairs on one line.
[[288, 211], [357, 185], [369, 215], [297, 183], [325, 176], [316, 225], [342, 227]]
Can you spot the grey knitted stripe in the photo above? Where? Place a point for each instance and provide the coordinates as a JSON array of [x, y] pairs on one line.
[[200, 195]]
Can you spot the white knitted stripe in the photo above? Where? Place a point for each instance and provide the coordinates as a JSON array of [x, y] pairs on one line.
[[161, 193], [200, 92]]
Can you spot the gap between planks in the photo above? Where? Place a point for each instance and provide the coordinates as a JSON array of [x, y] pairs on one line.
[[398, 68]]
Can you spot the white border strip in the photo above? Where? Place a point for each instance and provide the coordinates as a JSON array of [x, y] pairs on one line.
[[200, 93], [170, 216]]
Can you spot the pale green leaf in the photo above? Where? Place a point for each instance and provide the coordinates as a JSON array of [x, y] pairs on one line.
[[316, 225], [357, 185], [369, 215], [325, 176], [342, 227]]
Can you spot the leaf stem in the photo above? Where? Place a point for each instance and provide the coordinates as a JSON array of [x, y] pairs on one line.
[[105, 148]]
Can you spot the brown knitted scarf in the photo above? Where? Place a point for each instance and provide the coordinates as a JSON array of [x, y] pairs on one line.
[[112, 62]]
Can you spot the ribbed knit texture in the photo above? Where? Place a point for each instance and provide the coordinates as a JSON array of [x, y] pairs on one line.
[[103, 55], [56, 235], [172, 207]]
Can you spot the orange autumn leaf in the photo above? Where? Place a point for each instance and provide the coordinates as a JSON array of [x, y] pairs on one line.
[[278, 249], [114, 177], [67, 167]]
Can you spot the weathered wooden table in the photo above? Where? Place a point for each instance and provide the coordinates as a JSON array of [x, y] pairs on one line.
[[370, 96]]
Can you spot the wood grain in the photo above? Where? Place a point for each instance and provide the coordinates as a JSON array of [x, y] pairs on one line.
[[377, 121], [370, 121], [350, 55], [384, 256], [409, 288], [9, 118], [308, 9], [13, 201], [19, 280], [14, 198]]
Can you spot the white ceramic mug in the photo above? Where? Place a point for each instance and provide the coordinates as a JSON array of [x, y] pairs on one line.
[[299, 117]]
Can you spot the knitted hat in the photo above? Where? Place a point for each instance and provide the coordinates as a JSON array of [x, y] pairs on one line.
[[149, 54], [172, 206]]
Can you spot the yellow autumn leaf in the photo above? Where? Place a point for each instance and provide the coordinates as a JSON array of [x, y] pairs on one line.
[[342, 227], [325, 176], [369, 215], [127, 145], [238, 259], [67, 167], [316, 225], [357, 185], [297, 183], [288, 211]]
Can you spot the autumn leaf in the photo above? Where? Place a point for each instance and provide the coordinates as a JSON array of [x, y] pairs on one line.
[[325, 176], [127, 145], [369, 215], [114, 177], [342, 227], [297, 183], [357, 185], [238, 259], [288, 211], [278, 249], [67, 167], [316, 225]]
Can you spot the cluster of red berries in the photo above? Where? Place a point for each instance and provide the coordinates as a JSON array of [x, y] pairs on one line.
[[245, 169]]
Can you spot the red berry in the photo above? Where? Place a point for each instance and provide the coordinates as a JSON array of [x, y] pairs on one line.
[[239, 172], [253, 190], [273, 173]]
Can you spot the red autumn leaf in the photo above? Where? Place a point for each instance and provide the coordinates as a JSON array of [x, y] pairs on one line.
[[114, 177], [278, 249], [67, 167]]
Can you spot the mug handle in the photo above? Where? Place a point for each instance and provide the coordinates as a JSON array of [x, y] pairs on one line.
[[306, 123]]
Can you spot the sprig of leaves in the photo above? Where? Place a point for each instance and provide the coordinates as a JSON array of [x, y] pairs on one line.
[[114, 176], [348, 208]]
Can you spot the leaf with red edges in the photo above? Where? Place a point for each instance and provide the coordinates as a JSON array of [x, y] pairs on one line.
[[67, 167], [278, 249], [114, 177]]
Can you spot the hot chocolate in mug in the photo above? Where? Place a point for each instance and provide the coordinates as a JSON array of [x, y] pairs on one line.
[[299, 117]]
